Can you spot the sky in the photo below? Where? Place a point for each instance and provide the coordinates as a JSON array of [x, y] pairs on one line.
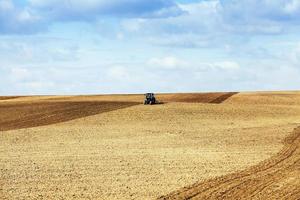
[[136, 46]]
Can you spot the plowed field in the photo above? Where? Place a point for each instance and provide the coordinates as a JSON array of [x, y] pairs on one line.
[[26, 115], [275, 178], [194, 146]]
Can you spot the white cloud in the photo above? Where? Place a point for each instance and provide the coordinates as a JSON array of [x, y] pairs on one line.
[[132, 25], [26, 16], [212, 23], [15, 19], [91, 9], [37, 86], [171, 63], [6, 5], [260, 12], [148, 45], [34, 16], [292, 6], [118, 73], [168, 62], [294, 55], [226, 65], [19, 74]]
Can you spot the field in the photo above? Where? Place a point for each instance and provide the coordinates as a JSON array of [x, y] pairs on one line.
[[193, 146]]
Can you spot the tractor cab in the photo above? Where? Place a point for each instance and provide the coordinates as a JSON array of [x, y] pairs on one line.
[[149, 99]]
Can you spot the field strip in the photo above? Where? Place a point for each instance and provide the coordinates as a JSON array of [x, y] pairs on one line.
[[212, 97], [223, 97], [144, 152], [8, 97], [215, 98], [26, 115], [274, 178]]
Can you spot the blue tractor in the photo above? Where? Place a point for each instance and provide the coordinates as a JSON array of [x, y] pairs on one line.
[[150, 99]]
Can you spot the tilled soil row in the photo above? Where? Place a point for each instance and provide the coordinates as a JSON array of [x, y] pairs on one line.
[[8, 97], [223, 97], [211, 97], [25, 115], [214, 97], [275, 178]]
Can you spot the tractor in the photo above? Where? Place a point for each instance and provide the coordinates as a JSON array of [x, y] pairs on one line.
[[150, 99]]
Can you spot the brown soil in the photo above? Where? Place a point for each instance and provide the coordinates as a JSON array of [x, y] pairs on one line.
[[36, 111], [223, 97], [26, 115], [144, 152], [267, 98], [216, 97], [8, 97], [274, 178]]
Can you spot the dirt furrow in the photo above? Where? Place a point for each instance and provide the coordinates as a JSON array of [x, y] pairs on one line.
[[8, 97], [258, 182], [26, 115], [216, 98], [223, 97]]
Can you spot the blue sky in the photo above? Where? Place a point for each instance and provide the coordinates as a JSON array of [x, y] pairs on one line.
[[135, 46]]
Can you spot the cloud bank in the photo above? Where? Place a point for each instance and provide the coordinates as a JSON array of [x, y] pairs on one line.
[[140, 45]]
